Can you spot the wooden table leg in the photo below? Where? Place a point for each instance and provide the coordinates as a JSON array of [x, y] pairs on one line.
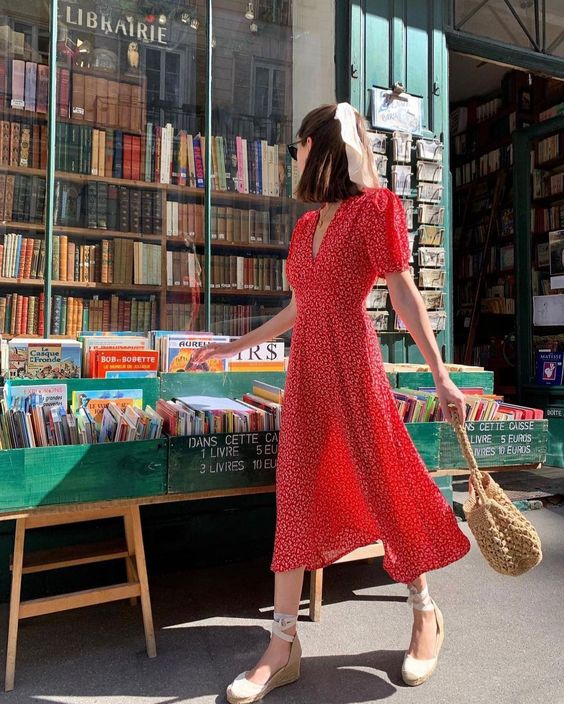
[[143, 582], [14, 617], [315, 594], [131, 576]]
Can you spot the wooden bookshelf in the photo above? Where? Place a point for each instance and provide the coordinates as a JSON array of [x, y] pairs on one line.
[[91, 233], [94, 286], [153, 185]]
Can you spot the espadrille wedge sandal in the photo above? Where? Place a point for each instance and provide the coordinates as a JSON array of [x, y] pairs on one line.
[[242, 691], [414, 671]]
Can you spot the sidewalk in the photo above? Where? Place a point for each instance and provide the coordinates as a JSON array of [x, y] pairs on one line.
[[504, 638]]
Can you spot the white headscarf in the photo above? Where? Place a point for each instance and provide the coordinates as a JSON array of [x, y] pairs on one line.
[[357, 155]]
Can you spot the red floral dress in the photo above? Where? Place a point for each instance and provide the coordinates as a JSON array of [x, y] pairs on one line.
[[348, 473]]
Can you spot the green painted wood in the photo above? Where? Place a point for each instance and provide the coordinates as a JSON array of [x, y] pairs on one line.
[[427, 439], [392, 378], [227, 461], [555, 449], [404, 40], [80, 473], [231, 385], [497, 443], [417, 380], [150, 387], [503, 53], [445, 485], [342, 50]]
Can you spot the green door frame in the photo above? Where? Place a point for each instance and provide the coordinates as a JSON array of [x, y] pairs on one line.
[[506, 54], [523, 243]]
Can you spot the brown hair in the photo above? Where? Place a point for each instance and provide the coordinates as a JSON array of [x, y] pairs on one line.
[[325, 178]]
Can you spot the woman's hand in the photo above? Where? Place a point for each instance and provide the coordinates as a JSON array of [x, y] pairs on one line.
[[448, 394], [215, 350]]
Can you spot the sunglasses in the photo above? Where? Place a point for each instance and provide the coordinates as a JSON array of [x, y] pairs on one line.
[[293, 149]]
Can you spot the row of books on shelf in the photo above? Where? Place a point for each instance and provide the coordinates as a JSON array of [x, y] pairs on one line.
[[505, 306], [550, 148], [237, 320], [540, 283], [546, 183], [22, 257], [423, 406], [545, 219], [499, 259], [241, 273], [22, 198], [492, 161], [228, 224], [24, 85], [99, 205], [23, 314], [502, 289], [23, 145], [117, 261]]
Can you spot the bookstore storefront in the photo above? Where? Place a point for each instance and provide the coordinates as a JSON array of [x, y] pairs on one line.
[[146, 191], [114, 235]]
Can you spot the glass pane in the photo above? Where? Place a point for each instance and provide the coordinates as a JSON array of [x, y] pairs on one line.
[[127, 214], [24, 85], [496, 21], [262, 52]]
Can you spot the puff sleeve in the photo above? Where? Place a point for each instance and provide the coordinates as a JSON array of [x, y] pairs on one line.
[[384, 227]]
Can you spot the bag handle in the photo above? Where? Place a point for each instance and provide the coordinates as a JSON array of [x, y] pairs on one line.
[[475, 475]]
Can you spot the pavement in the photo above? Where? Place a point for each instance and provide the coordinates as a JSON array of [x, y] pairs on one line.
[[504, 637]]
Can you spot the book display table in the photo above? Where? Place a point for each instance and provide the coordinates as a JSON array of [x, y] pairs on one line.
[[50, 486]]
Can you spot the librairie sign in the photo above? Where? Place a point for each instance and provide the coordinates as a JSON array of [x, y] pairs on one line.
[[128, 26]]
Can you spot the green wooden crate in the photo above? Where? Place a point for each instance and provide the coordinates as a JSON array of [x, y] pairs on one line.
[[417, 380], [445, 485], [150, 387], [427, 439], [497, 443], [230, 384], [555, 450], [70, 474], [222, 461], [393, 379]]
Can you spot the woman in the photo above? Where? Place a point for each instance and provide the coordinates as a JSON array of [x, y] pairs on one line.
[[348, 473]]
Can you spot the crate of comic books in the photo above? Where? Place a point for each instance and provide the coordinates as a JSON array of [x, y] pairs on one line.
[[71, 440]]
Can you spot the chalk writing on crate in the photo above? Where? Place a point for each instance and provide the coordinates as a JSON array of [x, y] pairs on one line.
[[501, 438], [237, 452]]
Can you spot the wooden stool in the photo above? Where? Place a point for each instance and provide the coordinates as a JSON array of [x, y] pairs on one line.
[[131, 550], [368, 552]]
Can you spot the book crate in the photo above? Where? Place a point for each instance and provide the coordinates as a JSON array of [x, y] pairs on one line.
[[555, 451], [418, 380], [68, 474], [230, 384]]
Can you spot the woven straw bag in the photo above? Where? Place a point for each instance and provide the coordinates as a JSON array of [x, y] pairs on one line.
[[507, 540]]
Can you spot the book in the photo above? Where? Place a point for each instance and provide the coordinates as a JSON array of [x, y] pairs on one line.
[[549, 367], [124, 362], [44, 359], [96, 401], [44, 394]]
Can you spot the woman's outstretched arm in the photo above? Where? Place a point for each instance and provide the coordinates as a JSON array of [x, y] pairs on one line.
[[274, 327], [407, 302]]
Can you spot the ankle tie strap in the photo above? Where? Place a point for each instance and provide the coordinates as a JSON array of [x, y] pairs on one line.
[[420, 601], [281, 623]]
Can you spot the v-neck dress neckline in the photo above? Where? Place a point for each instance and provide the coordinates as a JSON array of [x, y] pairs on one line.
[[315, 257]]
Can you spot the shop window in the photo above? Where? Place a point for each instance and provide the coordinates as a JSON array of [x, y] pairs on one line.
[[521, 23]]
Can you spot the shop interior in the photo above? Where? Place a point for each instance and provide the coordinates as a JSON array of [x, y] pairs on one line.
[[488, 104]]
